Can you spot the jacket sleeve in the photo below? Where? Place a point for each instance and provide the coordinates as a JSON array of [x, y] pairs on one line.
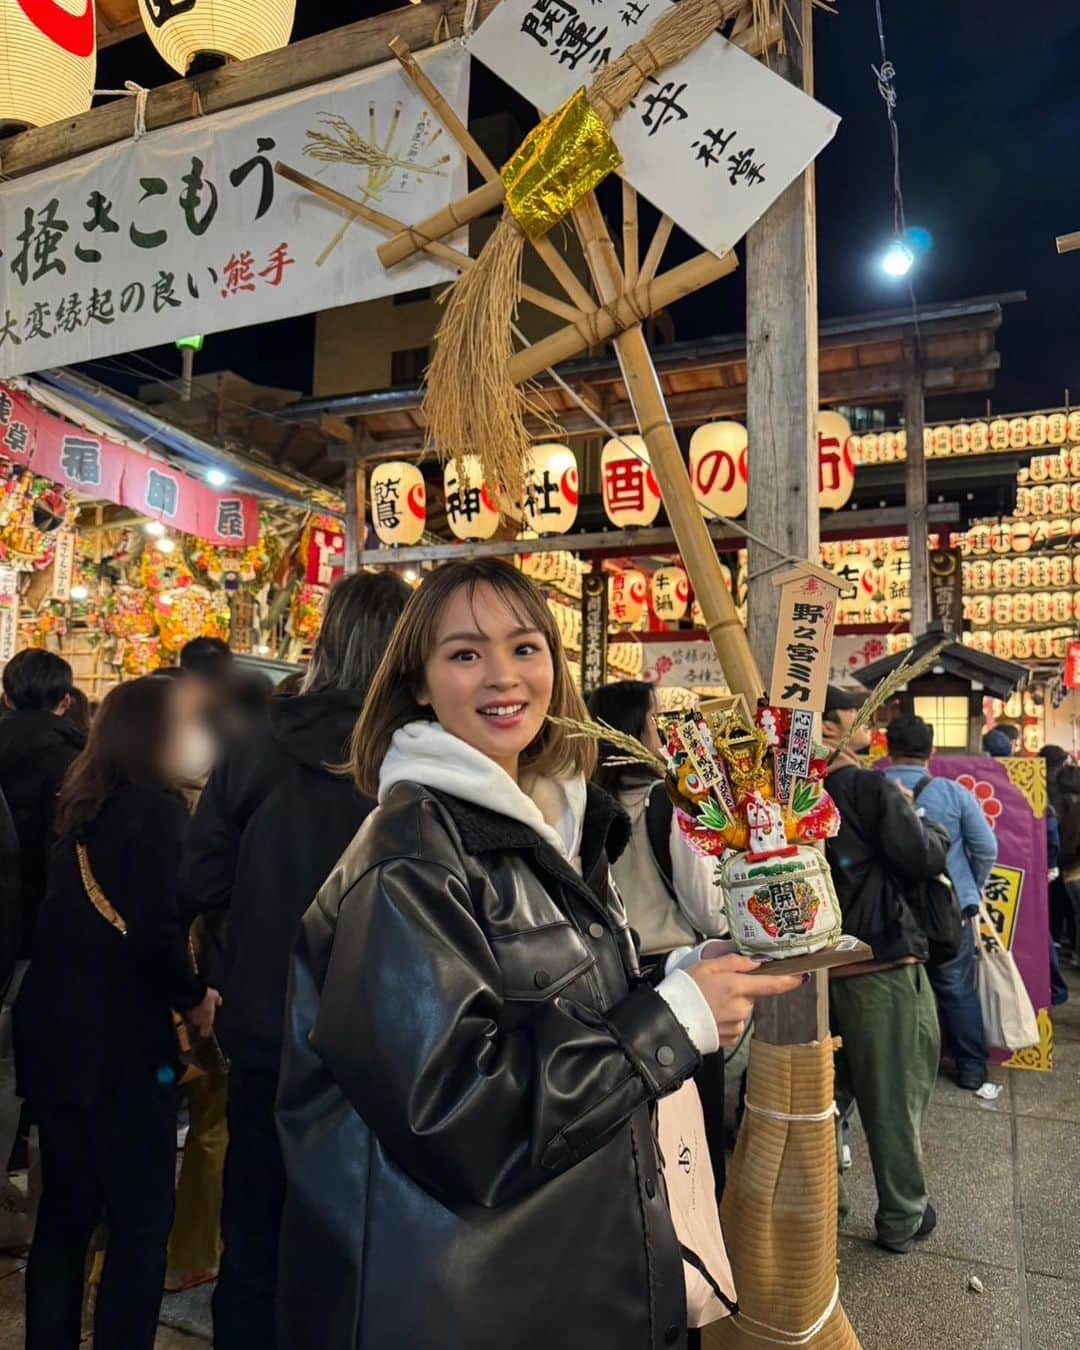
[[980, 842], [478, 1101], [211, 850], [696, 888], [156, 936], [916, 849]]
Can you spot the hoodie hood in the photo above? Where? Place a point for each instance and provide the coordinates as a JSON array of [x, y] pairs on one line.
[[424, 753], [315, 729], [23, 735]]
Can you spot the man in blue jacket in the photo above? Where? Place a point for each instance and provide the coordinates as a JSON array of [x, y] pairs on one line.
[[972, 854]]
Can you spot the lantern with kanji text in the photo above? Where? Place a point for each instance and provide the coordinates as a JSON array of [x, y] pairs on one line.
[[472, 511], [187, 32], [670, 593], [1041, 607], [999, 434], [941, 441], [1001, 574], [960, 439], [1018, 433], [1061, 566], [1072, 427], [398, 503], [1023, 646], [48, 60], [631, 492], [869, 451], [718, 468], [1022, 607], [1061, 606], [836, 473], [626, 603], [551, 489], [979, 435], [1036, 429]]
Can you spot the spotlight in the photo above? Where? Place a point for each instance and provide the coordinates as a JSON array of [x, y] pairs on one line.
[[155, 528], [79, 592], [897, 259], [166, 545], [216, 477]]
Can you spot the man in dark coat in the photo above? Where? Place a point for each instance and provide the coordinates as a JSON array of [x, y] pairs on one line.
[[271, 823], [884, 1010], [37, 745]]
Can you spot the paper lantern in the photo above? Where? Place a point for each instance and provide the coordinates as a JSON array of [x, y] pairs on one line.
[[1036, 429], [472, 511], [1060, 499], [1072, 427], [1022, 571], [979, 433], [1058, 532], [1061, 606], [1038, 470], [398, 503], [182, 30], [1039, 497], [670, 593], [980, 609], [1001, 644], [960, 439], [1057, 467], [836, 473], [1001, 607], [48, 60], [1041, 607], [697, 614], [979, 642], [1023, 647], [1022, 607], [979, 536], [626, 603], [999, 434], [718, 468], [890, 446], [981, 575], [942, 441], [901, 444], [1042, 646], [869, 448], [1000, 538], [1023, 501], [631, 492], [1001, 574], [1021, 536], [1056, 425], [551, 489], [1018, 433]]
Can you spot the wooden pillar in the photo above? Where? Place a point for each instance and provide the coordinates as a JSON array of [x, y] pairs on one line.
[[915, 497], [782, 369], [352, 523]]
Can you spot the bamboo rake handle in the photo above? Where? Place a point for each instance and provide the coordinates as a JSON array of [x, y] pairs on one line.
[[1068, 243], [691, 533], [413, 238], [656, 248], [443, 252], [630, 247]]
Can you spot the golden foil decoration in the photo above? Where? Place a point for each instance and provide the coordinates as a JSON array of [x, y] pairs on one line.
[[561, 160]]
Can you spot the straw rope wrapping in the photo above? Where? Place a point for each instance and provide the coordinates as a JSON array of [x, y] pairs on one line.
[[471, 405]]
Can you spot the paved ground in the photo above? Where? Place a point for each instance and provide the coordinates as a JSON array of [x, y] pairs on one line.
[[1005, 1179]]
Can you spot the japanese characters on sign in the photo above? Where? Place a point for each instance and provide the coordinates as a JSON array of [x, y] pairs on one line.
[[627, 603], [9, 613], [63, 564], [48, 59], [946, 588], [98, 467], [718, 468], [398, 503], [836, 469], [325, 561], [800, 742], [189, 230], [471, 509], [1072, 666], [630, 490], [594, 623], [670, 593], [712, 141], [689, 665], [800, 670], [551, 489]]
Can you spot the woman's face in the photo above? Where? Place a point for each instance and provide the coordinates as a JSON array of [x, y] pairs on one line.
[[489, 677], [189, 745]]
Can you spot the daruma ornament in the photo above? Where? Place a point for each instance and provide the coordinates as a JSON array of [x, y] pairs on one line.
[[626, 604], [472, 511], [836, 472], [398, 503], [670, 593], [182, 30], [551, 489], [718, 468], [48, 60], [631, 492]]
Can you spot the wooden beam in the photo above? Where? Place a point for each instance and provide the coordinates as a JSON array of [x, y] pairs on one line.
[[108, 37], [325, 57], [1068, 243], [915, 498]]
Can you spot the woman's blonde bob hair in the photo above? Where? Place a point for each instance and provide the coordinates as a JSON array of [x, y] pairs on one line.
[[392, 698]]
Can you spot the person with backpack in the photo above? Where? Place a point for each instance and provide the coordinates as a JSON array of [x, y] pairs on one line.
[[882, 860], [972, 854]]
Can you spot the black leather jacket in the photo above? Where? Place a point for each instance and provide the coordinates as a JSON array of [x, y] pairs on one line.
[[469, 1064]]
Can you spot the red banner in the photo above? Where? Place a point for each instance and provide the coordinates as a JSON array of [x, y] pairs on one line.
[[1072, 666], [100, 468]]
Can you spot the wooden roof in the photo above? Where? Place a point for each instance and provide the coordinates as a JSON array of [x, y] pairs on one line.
[[998, 677], [117, 20]]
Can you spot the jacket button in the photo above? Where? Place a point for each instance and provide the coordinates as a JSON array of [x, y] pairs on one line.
[[666, 1056], [671, 1336], [596, 930], [650, 1188], [541, 979]]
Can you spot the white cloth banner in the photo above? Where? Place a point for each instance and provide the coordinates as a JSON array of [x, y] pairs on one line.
[[189, 230], [9, 613], [686, 665], [712, 141]]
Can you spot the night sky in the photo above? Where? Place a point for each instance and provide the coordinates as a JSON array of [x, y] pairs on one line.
[[989, 115]]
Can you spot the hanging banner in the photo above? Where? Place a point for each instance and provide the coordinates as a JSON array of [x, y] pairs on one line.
[[712, 141], [9, 613], [800, 672], [947, 589], [1072, 666], [692, 664], [63, 564], [100, 468], [189, 230], [594, 621]]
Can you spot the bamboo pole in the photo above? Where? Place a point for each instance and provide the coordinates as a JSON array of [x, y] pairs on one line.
[[1068, 243], [474, 152], [656, 248], [630, 245], [624, 312], [413, 238], [691, 533], [443, 252]]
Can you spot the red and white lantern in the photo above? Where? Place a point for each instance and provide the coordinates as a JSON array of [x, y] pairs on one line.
[[398, 503], [836, 472], [48, 60], [631, 492], [472, 510], [718, 468], [626, 601], [551, 489], [670, 593]]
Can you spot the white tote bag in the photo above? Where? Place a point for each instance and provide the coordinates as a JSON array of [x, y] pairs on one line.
[[1008, 1015], [691, 1191]]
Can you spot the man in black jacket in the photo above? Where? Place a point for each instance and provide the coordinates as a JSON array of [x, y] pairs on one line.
[[272, 821], [37, 745], [884, 1010]]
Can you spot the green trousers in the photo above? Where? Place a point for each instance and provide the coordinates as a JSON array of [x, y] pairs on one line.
[[888, 1065]]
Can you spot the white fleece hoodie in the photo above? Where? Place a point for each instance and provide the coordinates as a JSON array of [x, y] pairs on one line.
[[426, 754]]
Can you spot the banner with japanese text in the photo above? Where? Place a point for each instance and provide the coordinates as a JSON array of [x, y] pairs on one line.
[[687, 664], [189, 230], [98, 467]]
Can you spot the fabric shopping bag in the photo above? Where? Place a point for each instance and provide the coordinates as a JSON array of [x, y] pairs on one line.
[[1008, 1015]]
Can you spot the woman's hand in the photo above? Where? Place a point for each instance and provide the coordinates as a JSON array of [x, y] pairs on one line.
[[730, 988], [201, 1017]]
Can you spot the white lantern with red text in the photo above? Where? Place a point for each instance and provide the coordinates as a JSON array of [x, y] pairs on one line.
[[631, 492], [551, 489], [836, 473], [718, 468], [980, 438], [48, 60], [183, 30], [1056, 425], [1022, 607], [398, 503], [472, 511], [626, 601], [670, 593]]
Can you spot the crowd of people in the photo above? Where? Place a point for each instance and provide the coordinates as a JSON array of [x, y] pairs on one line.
[[419, 962]]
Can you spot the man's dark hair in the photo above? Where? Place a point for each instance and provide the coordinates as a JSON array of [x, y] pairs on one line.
[[910, 736], [361, 612], [206, 656], [624, 705], [36, 681]]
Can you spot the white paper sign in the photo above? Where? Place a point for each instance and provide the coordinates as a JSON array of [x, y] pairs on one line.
[[712, 141], [189, 231], [63, 565], [9, 613], [687, 665]]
